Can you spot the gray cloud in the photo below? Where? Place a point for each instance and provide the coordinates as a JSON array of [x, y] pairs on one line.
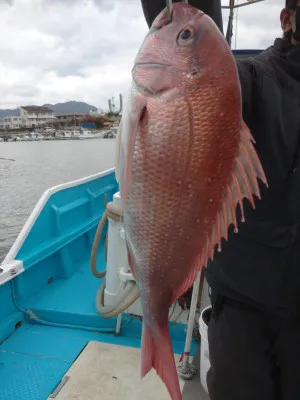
[[103, 5], [6, 2], [53, 50], [26, 91]]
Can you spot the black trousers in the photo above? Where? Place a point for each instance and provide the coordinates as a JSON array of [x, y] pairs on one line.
[[253, 355]]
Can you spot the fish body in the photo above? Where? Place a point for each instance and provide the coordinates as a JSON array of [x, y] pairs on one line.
[[185, 160]]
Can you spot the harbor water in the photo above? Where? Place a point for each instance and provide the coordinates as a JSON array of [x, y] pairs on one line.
[[27, 169]]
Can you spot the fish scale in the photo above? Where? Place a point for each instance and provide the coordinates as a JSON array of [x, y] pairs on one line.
[[186, 159]]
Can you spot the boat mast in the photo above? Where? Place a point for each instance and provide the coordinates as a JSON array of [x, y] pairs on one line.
[[231, 8]]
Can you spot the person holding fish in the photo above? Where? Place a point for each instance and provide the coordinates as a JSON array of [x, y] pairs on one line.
[[189, 168]]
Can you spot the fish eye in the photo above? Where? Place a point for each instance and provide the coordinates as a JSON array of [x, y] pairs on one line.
[[186, 34]]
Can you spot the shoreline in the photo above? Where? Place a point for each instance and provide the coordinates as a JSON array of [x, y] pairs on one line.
[[64, 135]]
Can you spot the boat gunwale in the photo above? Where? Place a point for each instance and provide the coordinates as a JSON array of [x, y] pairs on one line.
[[39, 207]]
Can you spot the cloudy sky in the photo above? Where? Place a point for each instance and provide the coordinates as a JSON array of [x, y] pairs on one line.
[[57, 50]]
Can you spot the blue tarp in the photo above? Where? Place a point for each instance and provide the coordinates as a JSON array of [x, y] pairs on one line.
[[88, 125]]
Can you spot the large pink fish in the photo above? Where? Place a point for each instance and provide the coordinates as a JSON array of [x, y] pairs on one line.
[[186, 160]]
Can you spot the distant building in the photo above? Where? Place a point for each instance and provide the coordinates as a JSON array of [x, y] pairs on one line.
[[10, 123], [34, 116], [69, 120]]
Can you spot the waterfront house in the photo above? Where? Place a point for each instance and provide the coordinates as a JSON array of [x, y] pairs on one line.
[[10, 123], [35, 116]]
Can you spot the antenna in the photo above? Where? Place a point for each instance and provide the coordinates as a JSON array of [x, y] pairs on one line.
[[231, 7], [248, 3]]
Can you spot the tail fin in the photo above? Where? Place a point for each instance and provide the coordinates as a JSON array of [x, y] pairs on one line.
[[159, 354]]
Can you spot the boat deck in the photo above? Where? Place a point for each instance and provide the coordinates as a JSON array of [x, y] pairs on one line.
[[110, 372], [103, 370], [34, 359], [193, 390]]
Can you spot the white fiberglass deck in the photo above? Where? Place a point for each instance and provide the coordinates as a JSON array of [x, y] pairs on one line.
[[111, 372]]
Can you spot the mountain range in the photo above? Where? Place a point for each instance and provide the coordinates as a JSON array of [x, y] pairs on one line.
[[59, 108]]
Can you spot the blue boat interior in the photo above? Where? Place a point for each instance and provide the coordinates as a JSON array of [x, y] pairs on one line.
[[48, 312]]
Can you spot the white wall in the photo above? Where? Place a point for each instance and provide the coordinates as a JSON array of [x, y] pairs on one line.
[[10, 122], [32, 119]]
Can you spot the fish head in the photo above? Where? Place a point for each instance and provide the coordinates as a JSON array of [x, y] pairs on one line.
[[180, 52]]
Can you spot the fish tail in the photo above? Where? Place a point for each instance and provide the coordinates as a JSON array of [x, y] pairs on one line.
[[159, 354]]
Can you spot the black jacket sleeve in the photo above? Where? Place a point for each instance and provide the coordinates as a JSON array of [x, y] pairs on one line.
[[247, 76], [212, 8]]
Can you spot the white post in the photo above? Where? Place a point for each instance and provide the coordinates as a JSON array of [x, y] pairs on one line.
[[189, 334], [116, 256], [184, 368]]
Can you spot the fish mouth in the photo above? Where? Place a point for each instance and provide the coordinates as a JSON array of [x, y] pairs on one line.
[[156, 79], [147, 91], [151, 77], [151, 65]]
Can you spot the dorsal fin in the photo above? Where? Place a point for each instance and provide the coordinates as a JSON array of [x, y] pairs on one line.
[[243, 184]]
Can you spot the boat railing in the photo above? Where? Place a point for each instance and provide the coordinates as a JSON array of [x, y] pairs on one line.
[[243, 53], [52, 224]]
